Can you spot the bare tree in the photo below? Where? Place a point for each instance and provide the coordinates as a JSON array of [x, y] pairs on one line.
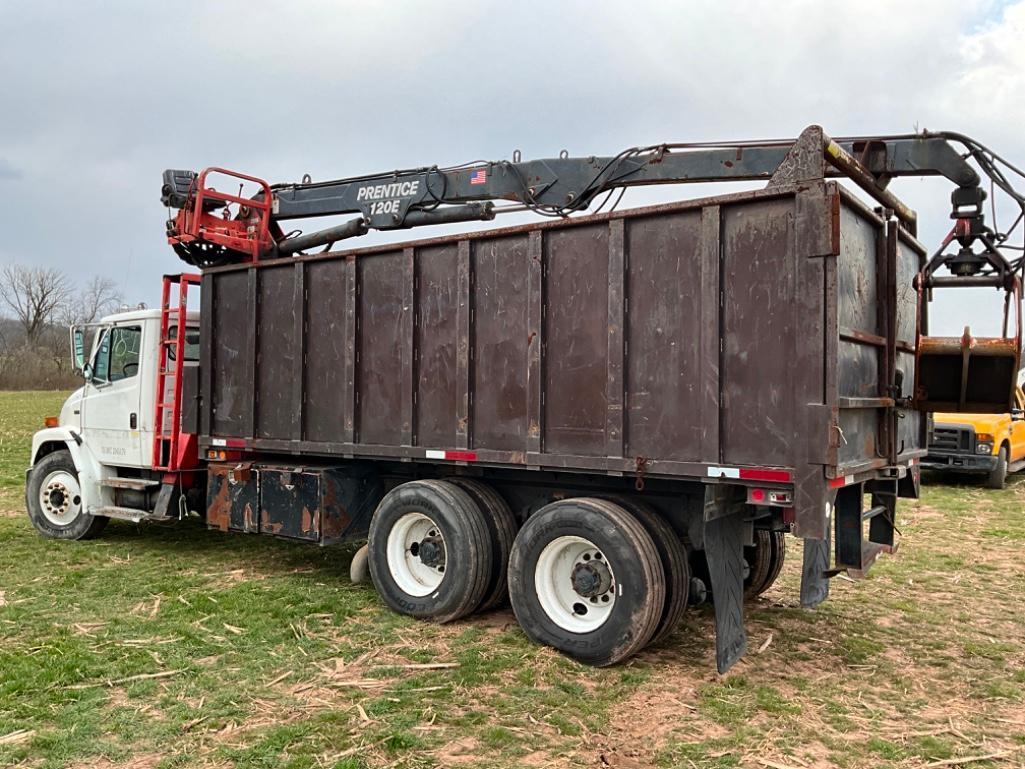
[[100, 297], [34, 295]]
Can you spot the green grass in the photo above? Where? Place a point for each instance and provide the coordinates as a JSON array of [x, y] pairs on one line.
[[177, 647], [21, 414]]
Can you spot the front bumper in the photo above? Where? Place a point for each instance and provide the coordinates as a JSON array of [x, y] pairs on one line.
[[961, 463]]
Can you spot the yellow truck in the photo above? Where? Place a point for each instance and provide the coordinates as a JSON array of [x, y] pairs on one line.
[[984, 444]]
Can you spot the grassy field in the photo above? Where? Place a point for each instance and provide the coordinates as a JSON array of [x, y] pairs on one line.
[[178, 647]]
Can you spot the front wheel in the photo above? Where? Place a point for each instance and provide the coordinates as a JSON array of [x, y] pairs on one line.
[[53, 496], [998, 475]]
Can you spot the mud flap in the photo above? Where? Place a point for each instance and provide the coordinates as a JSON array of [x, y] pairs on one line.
[[814, 576], [723, 536]]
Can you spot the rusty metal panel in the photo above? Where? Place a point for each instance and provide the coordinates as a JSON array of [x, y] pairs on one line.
[[348, 498], [759, 335], [231, 395], [328, 331], [500, 344], [437, 386], [290, 503], [664, 367], [379, 385], [275, 351], [232, 497], [576, 268]]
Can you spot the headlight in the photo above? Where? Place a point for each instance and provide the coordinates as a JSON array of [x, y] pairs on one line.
[[984, 438], [984, 448]]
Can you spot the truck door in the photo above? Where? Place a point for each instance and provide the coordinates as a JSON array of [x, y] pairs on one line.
[[110, 408]]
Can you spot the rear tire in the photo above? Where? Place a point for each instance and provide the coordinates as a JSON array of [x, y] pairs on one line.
[[502, 528], [765, 560], [997, 477], [53, 497], [675, 565], [758, 557], [428, 551], [779, 555], [585, 578]]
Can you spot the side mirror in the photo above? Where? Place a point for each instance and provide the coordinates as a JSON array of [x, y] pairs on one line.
[[87, 372], [1017, 415], [78, 348]]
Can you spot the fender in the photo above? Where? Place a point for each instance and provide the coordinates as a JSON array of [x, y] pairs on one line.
[[90, 470]]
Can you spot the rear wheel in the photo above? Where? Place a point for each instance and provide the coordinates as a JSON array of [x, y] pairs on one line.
[[765, 561], [428, 551], [998, 475], [53, 496], [585, 578], [779, 553], [502, 527], [758, 557]]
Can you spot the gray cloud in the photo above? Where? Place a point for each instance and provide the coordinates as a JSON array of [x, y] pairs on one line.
[[280, 88], [7, 171]]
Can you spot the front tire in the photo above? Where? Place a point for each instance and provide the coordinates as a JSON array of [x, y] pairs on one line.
[[585, 578], [997, 477], [53, 497]]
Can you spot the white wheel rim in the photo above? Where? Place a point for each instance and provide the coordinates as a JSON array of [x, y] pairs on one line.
[[408, 543], [60, 497], [559, 594]]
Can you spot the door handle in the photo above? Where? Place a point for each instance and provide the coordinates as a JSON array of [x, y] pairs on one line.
[[133, 421]]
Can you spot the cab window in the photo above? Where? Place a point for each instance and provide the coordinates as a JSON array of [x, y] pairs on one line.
[[191, 343], [118, 355]]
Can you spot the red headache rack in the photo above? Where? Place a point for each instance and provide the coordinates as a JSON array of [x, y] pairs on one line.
[[173, 450]]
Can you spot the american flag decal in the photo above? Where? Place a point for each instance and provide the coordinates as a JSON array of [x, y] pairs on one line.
[[480, 176]]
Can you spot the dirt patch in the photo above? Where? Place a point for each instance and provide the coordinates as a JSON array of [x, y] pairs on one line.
[[465, 751], [660, 711]]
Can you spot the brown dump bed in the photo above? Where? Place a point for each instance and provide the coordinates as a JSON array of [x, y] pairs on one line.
[[766, 335]]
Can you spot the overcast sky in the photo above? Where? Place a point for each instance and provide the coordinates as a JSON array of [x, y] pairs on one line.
[[97, 99]]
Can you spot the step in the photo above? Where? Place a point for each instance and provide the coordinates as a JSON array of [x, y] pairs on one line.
[[139, 484], [128, 514]]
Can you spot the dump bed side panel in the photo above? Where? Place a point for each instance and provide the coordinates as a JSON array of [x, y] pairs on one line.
[[667, 341], [912, 428], [760, 334], [500, 344], [576, 340], [666, 403], [875, 269]]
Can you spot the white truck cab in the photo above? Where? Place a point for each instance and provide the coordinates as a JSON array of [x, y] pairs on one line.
[[97, 462]]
